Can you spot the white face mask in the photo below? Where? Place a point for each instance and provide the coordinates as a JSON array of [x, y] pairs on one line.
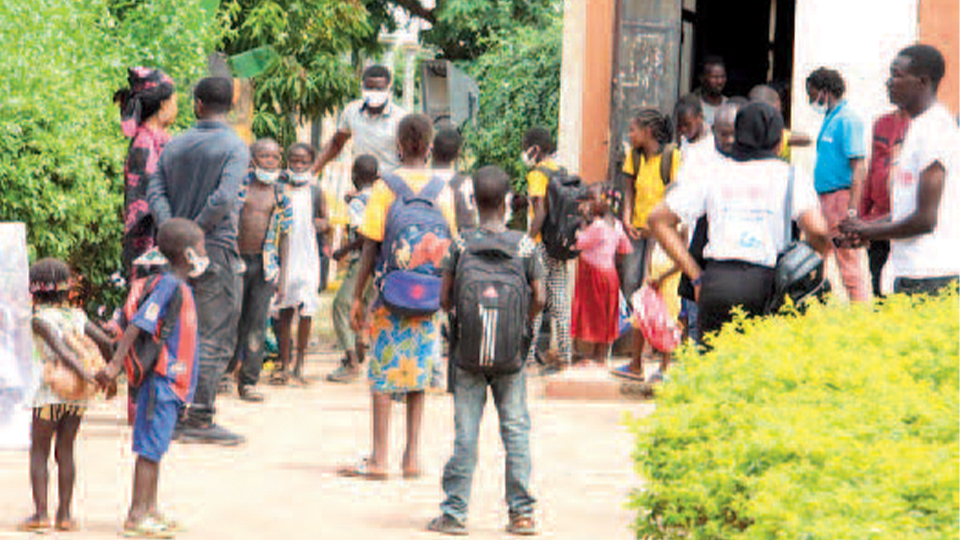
[[300, 178], [267, 177], [528, 160], [819, 108], [375, 98], [198, 264]]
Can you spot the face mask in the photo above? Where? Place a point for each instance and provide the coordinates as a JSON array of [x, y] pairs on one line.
[[528, 160], [267, 177], [300, 178], [198, 264], [375, 98], [819, 108]]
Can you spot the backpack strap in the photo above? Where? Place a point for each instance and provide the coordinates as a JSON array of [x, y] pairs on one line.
[[396, 184], [433, 188], [666, 163]]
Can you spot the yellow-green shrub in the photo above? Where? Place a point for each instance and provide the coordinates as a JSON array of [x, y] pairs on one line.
[[841, 423]]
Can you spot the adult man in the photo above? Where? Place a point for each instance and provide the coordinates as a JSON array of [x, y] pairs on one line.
[[713, 79], [840, 170], [924, 231], [771, 97], [199, 178], [370, 121], [888, 133]]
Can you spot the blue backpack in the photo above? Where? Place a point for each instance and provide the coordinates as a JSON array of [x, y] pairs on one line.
[[415, 240]]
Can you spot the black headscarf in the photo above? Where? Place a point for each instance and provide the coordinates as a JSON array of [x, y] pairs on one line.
[[148, 89], [759, 129]]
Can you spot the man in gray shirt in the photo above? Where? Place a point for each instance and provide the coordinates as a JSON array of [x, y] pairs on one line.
[[199, 178]]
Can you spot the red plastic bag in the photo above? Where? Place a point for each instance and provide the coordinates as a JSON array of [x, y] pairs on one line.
[[653, 318]]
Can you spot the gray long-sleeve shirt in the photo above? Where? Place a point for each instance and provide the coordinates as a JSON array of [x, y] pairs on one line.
[[199, 178]]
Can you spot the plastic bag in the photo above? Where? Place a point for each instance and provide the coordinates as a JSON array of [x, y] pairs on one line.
[[654, 320]]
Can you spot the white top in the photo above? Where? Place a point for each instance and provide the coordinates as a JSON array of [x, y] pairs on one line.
[[301, 269], [373, 134], [697, 156], [933, 137], [744, 203]]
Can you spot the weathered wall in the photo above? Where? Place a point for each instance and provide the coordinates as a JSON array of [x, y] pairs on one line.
[[940, 26]]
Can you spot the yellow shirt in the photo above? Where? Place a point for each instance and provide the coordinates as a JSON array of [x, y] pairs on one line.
[[785, 146], [649, 186], [537, 186], [381, 197]]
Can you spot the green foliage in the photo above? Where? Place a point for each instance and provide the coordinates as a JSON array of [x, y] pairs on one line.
[[519, 78], [61, 148], [838, 424], [460, 28], [309, 78]]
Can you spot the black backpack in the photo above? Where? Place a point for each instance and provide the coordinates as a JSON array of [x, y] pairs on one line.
[[492, 299], [564, 195]]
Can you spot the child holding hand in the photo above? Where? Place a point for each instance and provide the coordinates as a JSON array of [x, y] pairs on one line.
[[596, 300]]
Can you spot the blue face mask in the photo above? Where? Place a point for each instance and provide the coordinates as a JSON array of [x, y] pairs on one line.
[[818, 107], [267, 177], [300, 178]]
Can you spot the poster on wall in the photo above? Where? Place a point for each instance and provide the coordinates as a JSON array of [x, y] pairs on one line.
[[16, 366]]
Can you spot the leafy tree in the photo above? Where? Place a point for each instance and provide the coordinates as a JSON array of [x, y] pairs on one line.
[[61, 148], [519, 79], [309, 76], [461, 28]]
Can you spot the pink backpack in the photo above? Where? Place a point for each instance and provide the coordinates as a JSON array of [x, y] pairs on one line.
[[654, 320]]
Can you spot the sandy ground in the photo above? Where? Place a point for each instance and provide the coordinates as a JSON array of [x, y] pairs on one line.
[[282, 483]]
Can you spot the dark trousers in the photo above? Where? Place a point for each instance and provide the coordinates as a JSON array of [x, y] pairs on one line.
[[931, 286], [726, 284], [878, 252], [255, 307], [217, 294]]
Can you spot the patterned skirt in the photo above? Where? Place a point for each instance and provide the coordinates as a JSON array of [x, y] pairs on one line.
[[404, 352]]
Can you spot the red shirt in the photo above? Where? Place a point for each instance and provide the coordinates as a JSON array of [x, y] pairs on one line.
[[888, 133]]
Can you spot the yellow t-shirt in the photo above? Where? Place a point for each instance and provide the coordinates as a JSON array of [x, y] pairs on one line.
[[785, 146], [381, 197], [537, 185], [649, 186]]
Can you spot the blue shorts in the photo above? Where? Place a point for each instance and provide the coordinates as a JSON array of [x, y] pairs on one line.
[[157, 410]]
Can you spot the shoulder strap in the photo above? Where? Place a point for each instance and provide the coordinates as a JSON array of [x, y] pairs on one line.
[[433, 188], [397, 185], [666, 163], [788, 209], [278, 193]]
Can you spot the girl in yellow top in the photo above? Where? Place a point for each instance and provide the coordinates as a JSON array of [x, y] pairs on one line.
[[650, 136], [404, 352]]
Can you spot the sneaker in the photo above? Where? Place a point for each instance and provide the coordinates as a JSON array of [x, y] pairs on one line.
[[210, 434], [447, 524], [522, 525], [344, 374], [249, 393]]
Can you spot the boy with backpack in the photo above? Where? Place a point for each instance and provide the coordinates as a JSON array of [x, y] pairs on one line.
[[160, 349], [552, 223], [493, 286]]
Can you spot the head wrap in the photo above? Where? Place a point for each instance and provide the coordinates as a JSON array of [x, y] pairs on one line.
[[759, 128], [146, 87]]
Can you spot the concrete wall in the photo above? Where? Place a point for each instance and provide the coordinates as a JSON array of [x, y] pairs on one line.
[[859, 38], [940, 27], [571, 83]]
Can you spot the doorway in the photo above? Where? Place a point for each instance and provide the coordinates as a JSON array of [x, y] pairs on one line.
[[754, 38]]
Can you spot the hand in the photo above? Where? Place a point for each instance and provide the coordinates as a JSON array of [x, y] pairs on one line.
[[338, 255], [103, 378], [358, 315], [851, 226], [655, 284]]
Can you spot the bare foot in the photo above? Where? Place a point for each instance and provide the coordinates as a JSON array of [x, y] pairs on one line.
[[35, 523]]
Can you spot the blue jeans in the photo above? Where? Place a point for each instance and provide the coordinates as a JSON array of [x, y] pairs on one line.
[[469, 399]]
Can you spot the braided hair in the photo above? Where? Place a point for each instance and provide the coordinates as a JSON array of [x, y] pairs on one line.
[[659, 124], [50, 281]]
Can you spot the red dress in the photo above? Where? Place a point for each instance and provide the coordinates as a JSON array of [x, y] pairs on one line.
[[596, 299]]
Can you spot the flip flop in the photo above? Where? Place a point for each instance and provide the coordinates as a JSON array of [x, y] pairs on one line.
[[170, 524], [34, 524], [279, 378], [624, 372], [412, 475], [148, 527], [362, 470]]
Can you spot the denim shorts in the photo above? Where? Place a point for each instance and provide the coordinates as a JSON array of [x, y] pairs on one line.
[[157, 410]]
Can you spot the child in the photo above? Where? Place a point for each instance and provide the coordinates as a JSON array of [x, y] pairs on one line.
[[365, 173], [596, 299], [54, 325], [167, 313], [265, 216], [501, 373], [300, 278], [405, 348]]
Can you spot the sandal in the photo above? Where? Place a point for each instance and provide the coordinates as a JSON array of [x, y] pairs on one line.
[[170, 524], [412, 475], [66, 525], [34, 524], [522, 525], [148, 527], [279, 378], [362, 470], [624, 372]]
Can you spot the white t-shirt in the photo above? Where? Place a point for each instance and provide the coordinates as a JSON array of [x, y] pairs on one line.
[[932, 137], [744, 204], [373, 134]]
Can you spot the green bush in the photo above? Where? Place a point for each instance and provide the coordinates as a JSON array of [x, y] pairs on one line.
[[841, 423], [61, 149]]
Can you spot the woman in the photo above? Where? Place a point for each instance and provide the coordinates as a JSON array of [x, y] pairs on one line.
[[147, 107], [744, 200]]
